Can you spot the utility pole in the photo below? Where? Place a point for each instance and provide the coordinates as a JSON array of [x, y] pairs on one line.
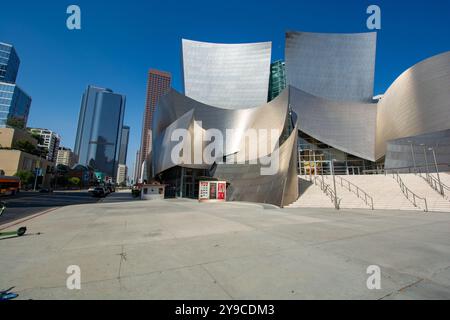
[[36, 173]]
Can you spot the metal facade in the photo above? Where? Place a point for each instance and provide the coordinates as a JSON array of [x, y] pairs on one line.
[[232, 76], [417, 102], [339, 67]]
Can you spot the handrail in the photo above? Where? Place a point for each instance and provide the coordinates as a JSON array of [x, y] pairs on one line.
[[406, 191], [365, 196], [326, 188], [436, 184]]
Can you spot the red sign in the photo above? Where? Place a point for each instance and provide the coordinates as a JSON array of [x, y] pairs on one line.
[[212, 191], [221, 190]]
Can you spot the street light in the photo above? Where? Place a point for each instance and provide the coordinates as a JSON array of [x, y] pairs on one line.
[[441, 190], [426, 159], [336, 206], [412, 154]]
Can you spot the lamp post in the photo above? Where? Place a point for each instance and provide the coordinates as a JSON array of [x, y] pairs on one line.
[[334, 185], [413, 157], [321, 168], [441, 190], [309, 164], [426, 160]]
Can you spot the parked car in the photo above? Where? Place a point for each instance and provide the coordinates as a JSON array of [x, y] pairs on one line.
[[45, 190], [99, 192]]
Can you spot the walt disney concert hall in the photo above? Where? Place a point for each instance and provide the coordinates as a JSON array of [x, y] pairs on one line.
[[319, 103]]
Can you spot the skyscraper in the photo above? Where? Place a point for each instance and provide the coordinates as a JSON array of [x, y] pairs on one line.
[[277, 80], [158, 84], [9, 63], [14, 102], [99, 130], [124, 145], [135, 167]]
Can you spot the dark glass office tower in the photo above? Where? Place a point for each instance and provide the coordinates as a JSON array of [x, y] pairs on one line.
[[277, 81], [124, 145], [9, 63], [99, 130], [14, 104]]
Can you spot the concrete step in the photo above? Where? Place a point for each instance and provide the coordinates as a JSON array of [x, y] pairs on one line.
[[384, 190], [311, 196]]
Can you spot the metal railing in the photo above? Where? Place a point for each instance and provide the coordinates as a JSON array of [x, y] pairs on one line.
[[360, 193], [437, 185], [409, 194], [434, 183], [326, 188]]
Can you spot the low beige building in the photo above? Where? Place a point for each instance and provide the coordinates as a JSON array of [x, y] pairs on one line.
[[12, 160], [10, 135]]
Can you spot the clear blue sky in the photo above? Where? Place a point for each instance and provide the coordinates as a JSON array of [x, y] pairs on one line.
[[120, 40]]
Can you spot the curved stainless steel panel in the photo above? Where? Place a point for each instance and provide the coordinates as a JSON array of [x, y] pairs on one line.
[[347, 126], [231, 76], [417, 102], [247, 183], [174, 105], [338, 67], [176, 111]]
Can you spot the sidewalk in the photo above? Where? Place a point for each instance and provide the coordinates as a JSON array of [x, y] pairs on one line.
[[179, 249]]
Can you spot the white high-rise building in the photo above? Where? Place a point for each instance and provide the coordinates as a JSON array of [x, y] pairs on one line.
[[49, 140]]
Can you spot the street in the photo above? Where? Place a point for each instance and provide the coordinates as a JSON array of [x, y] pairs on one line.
[[28, 203]]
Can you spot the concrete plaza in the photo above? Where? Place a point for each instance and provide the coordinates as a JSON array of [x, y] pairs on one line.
[[182, 249]]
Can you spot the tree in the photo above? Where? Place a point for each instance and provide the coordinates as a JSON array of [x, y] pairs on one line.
[[75, 181], [15, 122], [26, 177], [38, 137], [25, 146]]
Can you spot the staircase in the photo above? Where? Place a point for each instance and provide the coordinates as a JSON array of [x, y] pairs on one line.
[[311, 196], [349, 199], [384, 190]]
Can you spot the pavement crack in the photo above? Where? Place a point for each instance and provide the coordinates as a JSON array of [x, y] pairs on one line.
[[123, 258], [216, 282], [402, 288]]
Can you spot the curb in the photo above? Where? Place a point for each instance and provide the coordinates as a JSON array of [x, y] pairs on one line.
[[11, 224]]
